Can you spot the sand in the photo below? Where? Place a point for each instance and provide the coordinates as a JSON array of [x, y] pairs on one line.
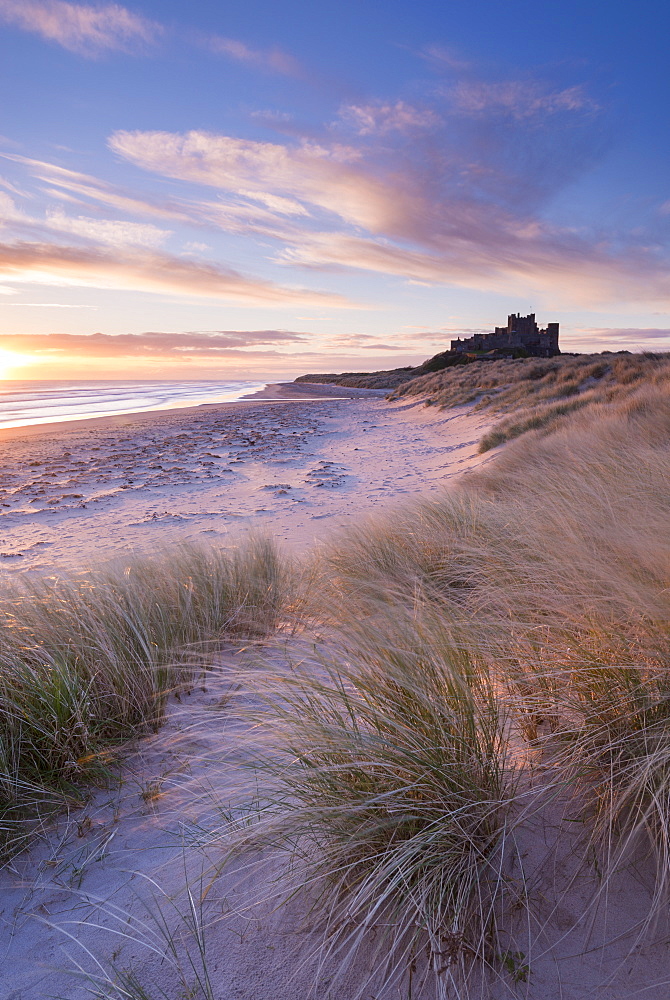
[[285, 464], [98, 885]]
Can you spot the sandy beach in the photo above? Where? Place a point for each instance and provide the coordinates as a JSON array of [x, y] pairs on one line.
[[125, 896], [291, 462]]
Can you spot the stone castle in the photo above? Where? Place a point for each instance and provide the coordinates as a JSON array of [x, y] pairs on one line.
[[521, 333]]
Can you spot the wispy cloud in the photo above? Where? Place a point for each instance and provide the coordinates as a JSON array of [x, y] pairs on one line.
[[273, 60], [86, 30], [118, 253], [444, 58], [163, 346], [455, 189], [259, 211], [636, 336], [111, 231], [380, 118], [329, 177], [8, 186], [453, 194], [145, 271], [71, 183], [519, 99], [9, 212], [51, 305]]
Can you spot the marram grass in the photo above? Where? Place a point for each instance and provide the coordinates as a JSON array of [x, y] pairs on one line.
[[87, 661], [497, 647], [478, 652], [389, 777]]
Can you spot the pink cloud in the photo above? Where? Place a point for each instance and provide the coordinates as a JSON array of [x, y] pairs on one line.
[[629, 335], [274, 60], [420, 215], [80, 28], [380, 119], [145, 271], [164, 346], [267, 215], [108, 231], [444, 58], [326, 177]]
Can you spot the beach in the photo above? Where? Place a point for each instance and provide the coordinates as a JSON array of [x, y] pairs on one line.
[[170, 880], [291, 462]]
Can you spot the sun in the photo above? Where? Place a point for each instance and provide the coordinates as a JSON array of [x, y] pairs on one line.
[[9, 360]]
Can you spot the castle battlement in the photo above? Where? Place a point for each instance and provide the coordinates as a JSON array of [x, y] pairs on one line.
[[521, 332]]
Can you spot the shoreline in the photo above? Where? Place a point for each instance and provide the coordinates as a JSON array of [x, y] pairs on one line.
[[289, 466], [272, 392]]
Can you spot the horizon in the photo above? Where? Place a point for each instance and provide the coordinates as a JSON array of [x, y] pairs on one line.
[[193, 193]]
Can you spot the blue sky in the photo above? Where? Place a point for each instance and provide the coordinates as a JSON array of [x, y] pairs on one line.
[[269, 188]]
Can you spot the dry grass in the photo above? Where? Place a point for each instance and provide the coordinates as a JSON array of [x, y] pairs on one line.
[[509, 637], [388, 777], [87, 661], [538, 393]]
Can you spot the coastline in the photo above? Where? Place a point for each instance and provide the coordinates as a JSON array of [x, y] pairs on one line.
[[288, 461], [272, 392], [292, 469]]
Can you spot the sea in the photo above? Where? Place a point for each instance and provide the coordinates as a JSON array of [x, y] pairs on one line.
[[23, 403]]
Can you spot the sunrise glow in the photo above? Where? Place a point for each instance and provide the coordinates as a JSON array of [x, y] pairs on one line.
[[276, 185], [11, 363]]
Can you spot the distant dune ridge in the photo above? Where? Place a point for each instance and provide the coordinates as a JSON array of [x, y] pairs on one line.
[[432, 756], [531, 393]]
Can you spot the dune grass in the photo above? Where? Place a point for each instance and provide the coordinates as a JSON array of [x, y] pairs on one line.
[[87, 661], [388, 777], [505, 639], [539, 393]]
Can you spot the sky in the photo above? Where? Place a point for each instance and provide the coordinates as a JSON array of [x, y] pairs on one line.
[[271, 187]]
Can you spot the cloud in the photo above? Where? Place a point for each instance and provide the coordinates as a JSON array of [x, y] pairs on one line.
[[8, 186], [519, 99], [163, 346], [80, 28], [422, 211], [51, 305], [9, 213], [498, 258], [276, 204], [638, 336], [457, 190], [443, 58], [86, 186], [267, 218], [112, 232], [145, 271], [380, 119], [326, 177], [273, 60]]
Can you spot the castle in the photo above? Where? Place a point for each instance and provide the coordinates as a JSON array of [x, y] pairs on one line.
[[521, 333]]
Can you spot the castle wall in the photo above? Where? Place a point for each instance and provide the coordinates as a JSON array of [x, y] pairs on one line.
[[521, 332]]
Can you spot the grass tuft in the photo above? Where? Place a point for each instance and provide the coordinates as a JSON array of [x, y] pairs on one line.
[[390, 780], [87, 661]]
